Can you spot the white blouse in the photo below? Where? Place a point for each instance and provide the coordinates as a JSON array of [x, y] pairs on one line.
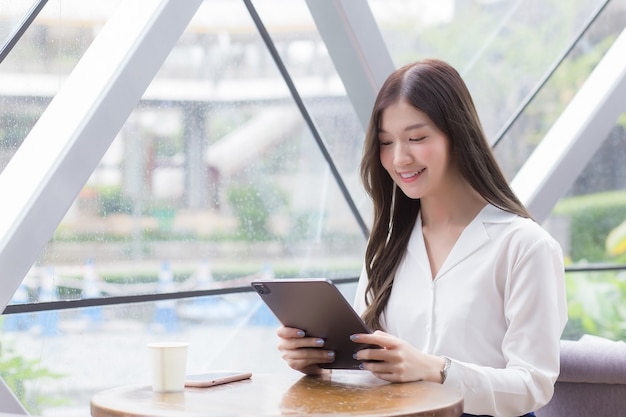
[[497, 308]]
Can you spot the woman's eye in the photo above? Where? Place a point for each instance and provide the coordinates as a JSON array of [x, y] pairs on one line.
[[384, 142], [419, 139]]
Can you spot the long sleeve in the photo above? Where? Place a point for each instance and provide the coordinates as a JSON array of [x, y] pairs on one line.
[[536, 313]]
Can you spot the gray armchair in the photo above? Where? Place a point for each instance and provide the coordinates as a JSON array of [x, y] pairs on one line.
[[592, 382]]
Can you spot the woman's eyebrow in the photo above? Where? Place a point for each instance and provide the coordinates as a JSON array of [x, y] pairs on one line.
[[415, 126], [406, 129]]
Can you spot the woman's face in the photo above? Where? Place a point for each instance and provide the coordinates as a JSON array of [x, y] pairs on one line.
[[413, 150]]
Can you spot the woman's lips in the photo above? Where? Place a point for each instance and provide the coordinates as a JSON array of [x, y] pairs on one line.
[[409, 176]]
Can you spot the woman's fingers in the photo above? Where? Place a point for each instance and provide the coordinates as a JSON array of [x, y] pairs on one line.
[[306, 349], [303, 353], [373, 354], [396, 360], [298, 343], [289, 332], [379, 338], [307, 360], [305, 357]]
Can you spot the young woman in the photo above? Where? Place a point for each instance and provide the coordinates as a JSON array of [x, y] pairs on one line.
[[461, 285]]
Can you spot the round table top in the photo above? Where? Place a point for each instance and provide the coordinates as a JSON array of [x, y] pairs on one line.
[[351, 393]]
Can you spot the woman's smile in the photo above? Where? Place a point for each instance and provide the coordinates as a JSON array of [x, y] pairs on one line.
[[411, 176]]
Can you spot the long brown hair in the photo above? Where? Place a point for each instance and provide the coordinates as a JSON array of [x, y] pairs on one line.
[[436, 89]]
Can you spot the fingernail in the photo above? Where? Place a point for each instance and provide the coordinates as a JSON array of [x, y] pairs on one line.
[[319, 342], [354, 356], [331, 354], [354, 337], [300, 333], [361, 366]]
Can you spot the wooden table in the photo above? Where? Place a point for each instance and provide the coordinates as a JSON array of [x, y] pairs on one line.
[[350, 393]]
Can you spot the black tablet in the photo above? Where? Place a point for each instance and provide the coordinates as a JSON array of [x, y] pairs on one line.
[[316, 306]]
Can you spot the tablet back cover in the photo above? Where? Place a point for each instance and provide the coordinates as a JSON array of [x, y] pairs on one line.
[[317, 307]]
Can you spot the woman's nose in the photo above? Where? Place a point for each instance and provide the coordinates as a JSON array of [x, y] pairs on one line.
[[402, 156]]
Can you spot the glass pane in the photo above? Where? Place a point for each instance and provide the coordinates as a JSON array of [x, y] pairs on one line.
[[88, 350], [590, 224], [214, 180], [12, 14], [587, 220], [546, 106], [85, 351], [595, 301], [306, 58], [502, 48], [35, 69]]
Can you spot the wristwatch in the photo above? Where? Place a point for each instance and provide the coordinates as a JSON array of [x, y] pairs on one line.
[[446, 367]]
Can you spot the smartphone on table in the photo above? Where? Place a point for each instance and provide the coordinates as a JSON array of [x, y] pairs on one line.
[[209, 379]]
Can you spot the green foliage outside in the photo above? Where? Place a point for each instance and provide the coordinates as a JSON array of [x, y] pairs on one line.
[[596, 300], [21, 375], [561, 89], [112, 200], [596, 305], [253, 205], [591, 218], [616, 242]]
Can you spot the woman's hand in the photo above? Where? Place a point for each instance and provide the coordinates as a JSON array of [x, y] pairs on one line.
[[398, 361], [303, 353]]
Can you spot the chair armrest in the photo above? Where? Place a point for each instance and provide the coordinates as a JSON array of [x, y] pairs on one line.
[[599, 362]]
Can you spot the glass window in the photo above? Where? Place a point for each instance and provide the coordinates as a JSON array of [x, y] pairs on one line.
[[590, 223], [88, 350], [213, 180], [34, 70], [306, 59], [536, 119], [214, 167], [594, 209], [501, 48]]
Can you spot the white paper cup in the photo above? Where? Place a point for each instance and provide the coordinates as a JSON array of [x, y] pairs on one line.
[[168, 362]]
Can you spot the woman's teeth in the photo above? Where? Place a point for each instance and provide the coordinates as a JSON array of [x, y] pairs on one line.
[[411, 174]]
